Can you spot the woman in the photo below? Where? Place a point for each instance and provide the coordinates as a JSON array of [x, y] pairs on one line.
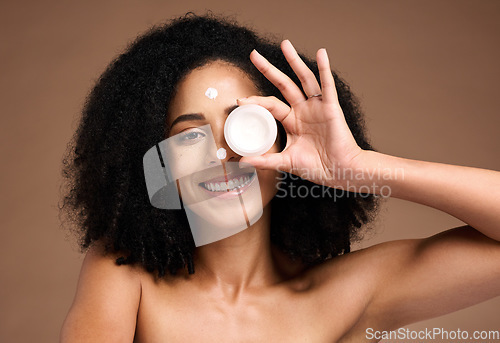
[[290, 276]]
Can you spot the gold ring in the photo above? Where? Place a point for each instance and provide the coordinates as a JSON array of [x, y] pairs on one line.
[[315, 95]]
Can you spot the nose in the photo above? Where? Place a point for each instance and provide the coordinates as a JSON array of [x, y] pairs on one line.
[[221, 152]]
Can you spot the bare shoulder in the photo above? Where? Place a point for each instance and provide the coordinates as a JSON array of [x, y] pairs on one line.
[[362, 267], [106, 301], [396, 283], [376, 264], [342, 288]]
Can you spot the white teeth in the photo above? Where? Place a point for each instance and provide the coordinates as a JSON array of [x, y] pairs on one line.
[[231, 184]]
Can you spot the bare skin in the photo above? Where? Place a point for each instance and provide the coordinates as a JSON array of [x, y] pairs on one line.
[[244, 290]]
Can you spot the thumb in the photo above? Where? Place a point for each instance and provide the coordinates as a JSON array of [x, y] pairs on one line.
[[276, 161]]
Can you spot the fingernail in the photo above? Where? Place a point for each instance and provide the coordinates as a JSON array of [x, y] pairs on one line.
[[241, 99], [290, 43]]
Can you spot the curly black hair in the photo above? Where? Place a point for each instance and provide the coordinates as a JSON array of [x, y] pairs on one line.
[[125, 115]]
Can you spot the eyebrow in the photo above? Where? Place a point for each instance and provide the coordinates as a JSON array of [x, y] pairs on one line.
[[197, 116]]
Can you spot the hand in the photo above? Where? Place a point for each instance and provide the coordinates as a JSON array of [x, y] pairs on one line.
[[318, 138]]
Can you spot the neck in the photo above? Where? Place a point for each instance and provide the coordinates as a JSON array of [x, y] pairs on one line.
[[239, 262]]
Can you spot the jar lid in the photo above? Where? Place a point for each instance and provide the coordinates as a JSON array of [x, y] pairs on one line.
[[250, 130]]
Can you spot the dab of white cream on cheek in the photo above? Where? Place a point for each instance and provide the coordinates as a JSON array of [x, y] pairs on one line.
[[211, 93], [221, 154]]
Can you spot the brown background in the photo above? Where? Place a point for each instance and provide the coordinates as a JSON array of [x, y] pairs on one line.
[[426, 71]]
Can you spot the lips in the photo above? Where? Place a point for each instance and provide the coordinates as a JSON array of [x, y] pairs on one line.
[[234, 182]]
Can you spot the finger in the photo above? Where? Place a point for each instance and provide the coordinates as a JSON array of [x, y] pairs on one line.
[[278, 108], [271, 161], [286, 86], [305, 75], [327, 82]]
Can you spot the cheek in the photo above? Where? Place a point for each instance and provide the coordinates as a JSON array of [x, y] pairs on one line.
[[268, 180]]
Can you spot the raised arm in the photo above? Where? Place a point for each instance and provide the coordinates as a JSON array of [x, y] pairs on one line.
[[425, 278], [106, 302], [469, 194]]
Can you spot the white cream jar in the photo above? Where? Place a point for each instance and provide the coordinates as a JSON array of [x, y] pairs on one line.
[[250, 130]]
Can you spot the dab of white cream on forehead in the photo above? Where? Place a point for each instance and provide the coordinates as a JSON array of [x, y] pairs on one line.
[[211, 93]]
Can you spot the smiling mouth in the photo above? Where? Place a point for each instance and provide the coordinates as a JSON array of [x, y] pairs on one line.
[[233, 183]]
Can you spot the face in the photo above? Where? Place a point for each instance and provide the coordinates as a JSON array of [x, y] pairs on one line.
[[212, 185]]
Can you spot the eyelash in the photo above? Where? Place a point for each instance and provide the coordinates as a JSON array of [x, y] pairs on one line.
[[183, 137]]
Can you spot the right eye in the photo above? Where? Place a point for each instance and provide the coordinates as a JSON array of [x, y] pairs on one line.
[[190, 137]]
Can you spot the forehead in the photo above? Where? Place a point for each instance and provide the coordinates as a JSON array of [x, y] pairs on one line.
[[226, 78]]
